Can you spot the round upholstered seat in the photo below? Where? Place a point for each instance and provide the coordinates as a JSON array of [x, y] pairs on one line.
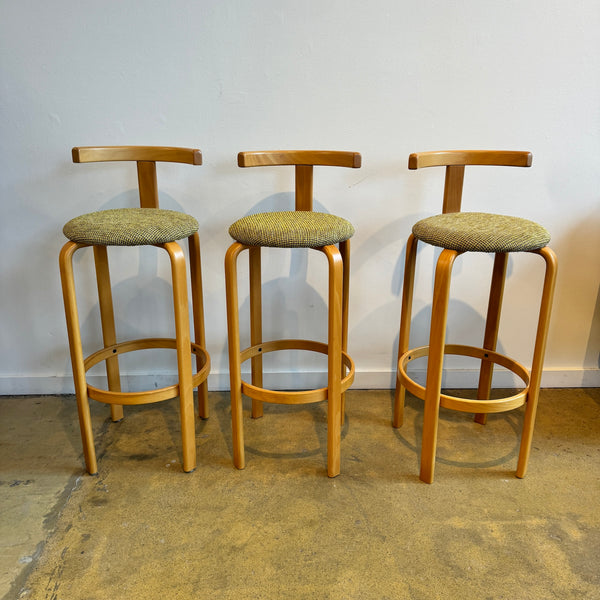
[[130, 227], [481, 232], [291, 229]]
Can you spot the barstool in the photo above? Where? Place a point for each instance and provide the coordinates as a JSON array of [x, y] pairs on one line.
[[144, 226], [301, 228], [457, 232]]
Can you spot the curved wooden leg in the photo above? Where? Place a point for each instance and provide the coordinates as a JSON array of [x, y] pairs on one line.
[[73, 331], [198, 317], [538, 358], [107, 318], [345, 253], [256, 324], [184, 359], [492, 323], [435, 364], [235, 366], [405, 317], [334, 360]]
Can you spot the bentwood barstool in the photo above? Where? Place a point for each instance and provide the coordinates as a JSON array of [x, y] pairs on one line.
[[458, 232], [301, 228], [144, 226]]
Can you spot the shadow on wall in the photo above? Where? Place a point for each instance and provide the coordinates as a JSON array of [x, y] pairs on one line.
[[577, 298], [592, 355]]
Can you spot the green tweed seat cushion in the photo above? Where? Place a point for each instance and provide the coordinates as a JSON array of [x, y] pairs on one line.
[[481, 232], [291, 229], [130, 227]]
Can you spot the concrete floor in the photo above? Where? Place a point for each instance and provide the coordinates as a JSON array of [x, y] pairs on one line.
[[281, 528]]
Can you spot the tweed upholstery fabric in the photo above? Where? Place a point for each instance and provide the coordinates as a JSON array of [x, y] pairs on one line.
[[130, 227], [291, 229], [481, 232]]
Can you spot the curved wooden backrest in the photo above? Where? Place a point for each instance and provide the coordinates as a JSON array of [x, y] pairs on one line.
[[455, 162], [325, 158], [445, 158], [146, 158], [85, 154], [304, 161]]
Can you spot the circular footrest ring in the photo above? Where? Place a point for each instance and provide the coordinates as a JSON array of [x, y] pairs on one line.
[[144, 397], [292, 397], [464, 404]]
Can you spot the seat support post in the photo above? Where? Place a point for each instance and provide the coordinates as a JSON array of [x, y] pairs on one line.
[[405, 318], [107, 318], [345, 254], [198, 317], [256, 323], [492, 324]]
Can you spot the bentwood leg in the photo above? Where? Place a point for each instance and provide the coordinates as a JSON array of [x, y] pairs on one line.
[[492, 323], [538, 358], [72, 318], [345, 253], [256, 324], [406, 314], [235, 366], [198, 317], [433, 386], [334, 360], [184, 359], [107, 318]]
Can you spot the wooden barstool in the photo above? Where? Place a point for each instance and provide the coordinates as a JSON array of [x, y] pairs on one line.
[[457, 232], [147, 225], [301, 228]]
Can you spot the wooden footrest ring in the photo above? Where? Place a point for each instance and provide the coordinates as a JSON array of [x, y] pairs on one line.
[[144, 397], [292, 397], [463, 404]]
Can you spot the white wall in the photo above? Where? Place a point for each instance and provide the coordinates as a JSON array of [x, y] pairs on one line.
[[384, 78]]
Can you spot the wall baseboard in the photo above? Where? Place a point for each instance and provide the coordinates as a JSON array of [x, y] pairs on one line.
[[453, 379]]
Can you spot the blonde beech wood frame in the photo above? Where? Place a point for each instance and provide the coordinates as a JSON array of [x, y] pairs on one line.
[[455, 162], [146, 158], [340, 368]]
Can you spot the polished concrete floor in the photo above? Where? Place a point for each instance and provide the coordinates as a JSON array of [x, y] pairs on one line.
[[280, 529]]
